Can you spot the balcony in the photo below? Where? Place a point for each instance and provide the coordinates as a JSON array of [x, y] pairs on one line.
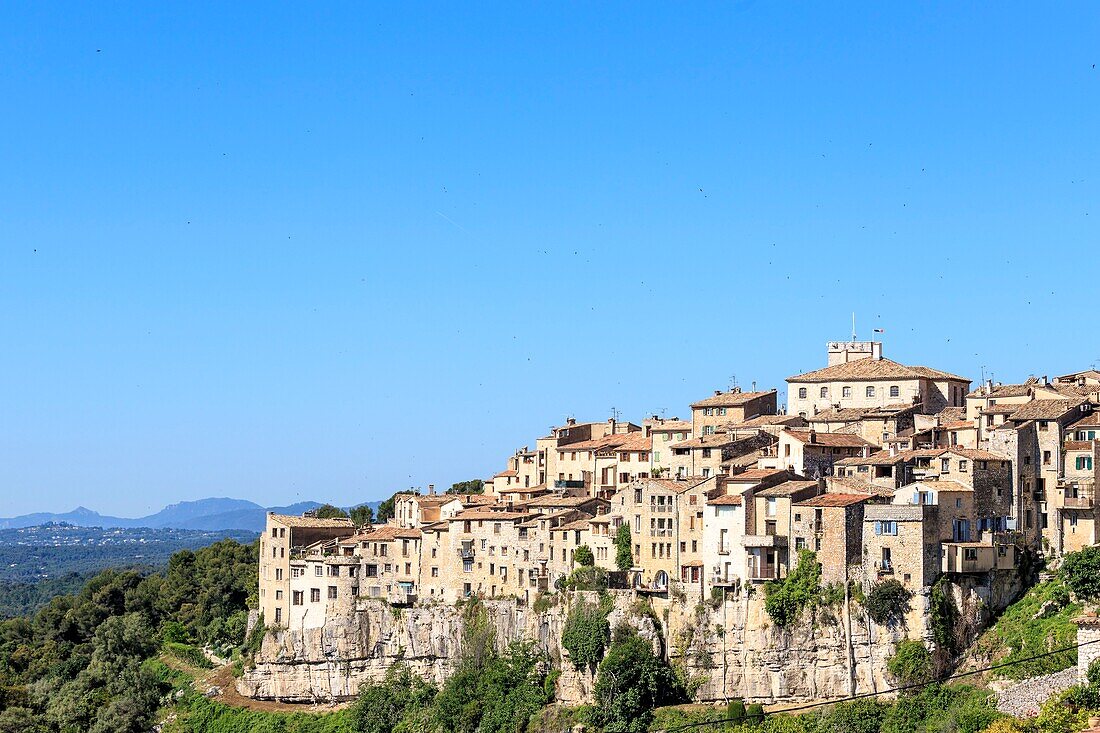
[[660, 508], [764, 540], [724, 581], [1077, 502], [660, 533], [768, 572], [466, 553]]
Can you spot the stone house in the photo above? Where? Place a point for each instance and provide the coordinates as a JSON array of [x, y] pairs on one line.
[[901, 541], [663, 433], [873, 381], [832, 526], [285, 537], [390, 557], [769, 516], [813, 454], [711, 413]]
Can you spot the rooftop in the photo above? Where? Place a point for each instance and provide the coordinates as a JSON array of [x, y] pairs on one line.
[[292, 520], [733, 398], [881, 368], [831, 500]]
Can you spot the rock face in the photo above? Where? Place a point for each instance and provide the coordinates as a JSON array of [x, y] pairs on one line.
[[727, 649]]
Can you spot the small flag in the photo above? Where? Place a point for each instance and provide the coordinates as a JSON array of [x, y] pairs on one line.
[[880, 330]]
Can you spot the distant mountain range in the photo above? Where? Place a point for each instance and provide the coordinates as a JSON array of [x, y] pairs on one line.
[[205, 514]]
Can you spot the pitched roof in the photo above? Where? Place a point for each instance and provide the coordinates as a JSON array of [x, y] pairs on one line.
[[765, 420], [831, 500], [292, 520], [506, 474], [577, 524], [832, 440], [483, 514], [387, 533], [679, 485], [725, 500], [734, 398], [619, 441], [1044, 409], [559, 501], [786, 489], [951, 414], [715, 440], [1090, 420], [755, 475], [873, 369], [1003, 390], [665, 426]]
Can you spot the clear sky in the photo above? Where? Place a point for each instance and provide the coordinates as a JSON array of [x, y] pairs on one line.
[[287, 253]]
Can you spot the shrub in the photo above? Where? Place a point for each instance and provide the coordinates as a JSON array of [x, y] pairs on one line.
[[785, 599], [586, 578], [586, 634], [911, 663], [1081, 572], [189, 654], [855, 716], [381, 707], [754, 714], [735, 712], [888, 602], [583, 556], [632, 681]]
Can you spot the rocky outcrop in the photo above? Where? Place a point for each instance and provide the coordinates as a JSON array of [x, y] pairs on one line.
[[727, 648]]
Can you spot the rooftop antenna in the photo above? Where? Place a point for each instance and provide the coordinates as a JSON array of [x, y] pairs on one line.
[[733, 382], [663, 411], [615, 414], [853, 327]]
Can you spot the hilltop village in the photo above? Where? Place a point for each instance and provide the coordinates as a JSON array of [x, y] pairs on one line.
[[884, 470]]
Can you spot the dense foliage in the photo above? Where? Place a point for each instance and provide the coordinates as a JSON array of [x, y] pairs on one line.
[[382, 708], [583, 556], [385, 510], [586, 633], [624, 560], [887, 602], [910, 664], [1081, 573], [631, 682], [785, 599], [362, 515], [328, 511], [24, 598], [83, 662], [474, 486]]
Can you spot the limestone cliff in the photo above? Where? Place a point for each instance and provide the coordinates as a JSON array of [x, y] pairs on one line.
[[730, 648]]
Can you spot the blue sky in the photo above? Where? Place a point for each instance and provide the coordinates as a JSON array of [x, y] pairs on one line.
[[283, 253]]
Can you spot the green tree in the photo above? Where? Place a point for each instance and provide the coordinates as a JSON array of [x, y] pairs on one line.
[[911, 663], [381, 708], [624, 560], [888, 602], [631, 682], [586, 634], [328, 511], [1081, 572], [385, 510], [473, 486], [583, 556], [362, 515], [785, 599]]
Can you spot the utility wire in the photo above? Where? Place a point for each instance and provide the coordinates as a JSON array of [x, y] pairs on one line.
[[903, 688]]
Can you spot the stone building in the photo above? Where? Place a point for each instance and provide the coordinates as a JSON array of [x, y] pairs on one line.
[[284, 538], [711, 413], [813, 454], [832, 526], [873, 381]]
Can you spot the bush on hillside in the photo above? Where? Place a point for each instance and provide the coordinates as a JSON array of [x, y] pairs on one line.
[[888, 602]]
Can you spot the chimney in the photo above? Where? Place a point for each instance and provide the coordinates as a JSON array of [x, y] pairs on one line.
[[736, 390], [813, 435], [893, 449], [431, 489], [570, 421], [754, 385], [717, 392], [865, 451]]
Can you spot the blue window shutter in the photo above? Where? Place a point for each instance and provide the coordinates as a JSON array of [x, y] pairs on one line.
[[878, 527]]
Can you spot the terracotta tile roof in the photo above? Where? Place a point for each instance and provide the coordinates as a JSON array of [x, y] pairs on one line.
[[857, 486], [441, 526], [755, 475], [1091, 420], [976, 454], [1003, 390], [291, 520], [956, 425], [1079, 445], [678, 486], [1001, 409], [725, 500], [387, 533], [873, 369], [717, 440], [729, 399], [635, 441], [951, 414], [878, 458], [745, 460], [845, 414], [834, 500], [475, 514], [540, 489], [507, 474], [764, 420], [667, 426], [1044, 409], [787, 489], [577, 524], [556, 501], [829, 440]]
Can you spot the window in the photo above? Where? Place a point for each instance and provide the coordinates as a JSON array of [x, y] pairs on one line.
[[318, 570], [824, 391], [296, 572], [278, 595], [334, 571], [887, 562], [1084, 463], [721, 411], [331, 592], [314, 595], [801, 393], [799, 543], [637, 496], [886, 528], [297, 598], [1043, 424], [895, 391], [962, 466], [970, 554], [945, 465], [278, 615], [278, 573], [846, 392], [870, 391], [1046, 458], [435, 572]]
